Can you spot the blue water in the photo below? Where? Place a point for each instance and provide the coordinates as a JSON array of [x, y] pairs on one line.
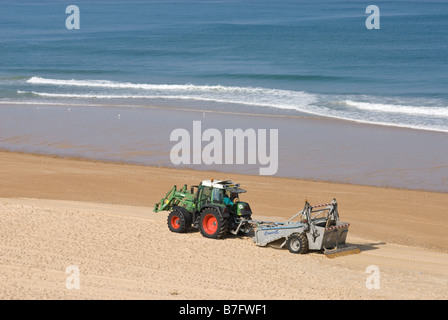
[[91, 92], [263, 56]]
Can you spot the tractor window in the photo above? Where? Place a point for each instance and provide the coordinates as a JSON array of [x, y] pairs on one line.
[[218, 195], [206, 193]]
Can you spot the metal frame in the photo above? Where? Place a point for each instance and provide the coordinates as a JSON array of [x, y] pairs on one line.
[[324, 233]]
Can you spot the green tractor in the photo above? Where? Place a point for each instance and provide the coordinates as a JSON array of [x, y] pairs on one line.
[[213, 207]]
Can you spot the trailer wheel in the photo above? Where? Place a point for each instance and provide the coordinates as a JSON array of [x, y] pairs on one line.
[[177, 222], [297, 243], [212, 225]]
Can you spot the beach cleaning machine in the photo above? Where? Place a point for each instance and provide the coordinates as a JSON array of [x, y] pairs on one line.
[[317, 227], [314, 228]]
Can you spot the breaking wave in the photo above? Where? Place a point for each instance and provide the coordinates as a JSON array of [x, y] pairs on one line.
[[424, 115]]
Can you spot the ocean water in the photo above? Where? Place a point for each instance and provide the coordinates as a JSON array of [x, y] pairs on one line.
[[89, 92], [275, 57]]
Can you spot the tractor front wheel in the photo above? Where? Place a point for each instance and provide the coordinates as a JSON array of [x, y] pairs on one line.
[[212, 225], [297, 243], [177, 222]]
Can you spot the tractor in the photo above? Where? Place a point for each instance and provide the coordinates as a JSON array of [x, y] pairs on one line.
[[213, 207]]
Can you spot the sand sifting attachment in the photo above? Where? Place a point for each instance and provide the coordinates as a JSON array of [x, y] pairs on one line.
[[345, 251]]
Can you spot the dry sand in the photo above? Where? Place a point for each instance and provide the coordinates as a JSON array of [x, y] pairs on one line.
[[98, 216]]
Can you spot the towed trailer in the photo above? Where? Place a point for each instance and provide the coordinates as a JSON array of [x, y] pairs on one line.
[[316, 227]]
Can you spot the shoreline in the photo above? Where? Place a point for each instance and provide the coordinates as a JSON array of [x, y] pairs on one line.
[[314, 148], [407, 217], [303, 114]]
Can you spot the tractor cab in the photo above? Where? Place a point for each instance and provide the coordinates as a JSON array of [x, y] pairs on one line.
[[223, 193]]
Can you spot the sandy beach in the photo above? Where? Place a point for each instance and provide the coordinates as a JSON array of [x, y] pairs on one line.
[[105, 106], [57, 213]]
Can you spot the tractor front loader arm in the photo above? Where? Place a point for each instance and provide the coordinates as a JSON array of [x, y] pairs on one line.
[[173, 198]]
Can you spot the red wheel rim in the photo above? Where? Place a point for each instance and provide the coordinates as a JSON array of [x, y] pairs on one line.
[[210, 224], [175, 222]]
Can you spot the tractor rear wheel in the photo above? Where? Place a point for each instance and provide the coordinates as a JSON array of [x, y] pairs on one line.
[[212, 225], [177, 222], [297, 243]]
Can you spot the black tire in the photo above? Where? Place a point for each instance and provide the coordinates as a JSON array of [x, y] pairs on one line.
[[187, 215], [177, 222], [297, 243], [212, 225]]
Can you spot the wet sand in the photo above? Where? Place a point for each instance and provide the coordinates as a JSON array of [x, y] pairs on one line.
[[308, 147]]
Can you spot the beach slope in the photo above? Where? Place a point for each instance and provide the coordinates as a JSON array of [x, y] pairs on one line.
[[56, 213]]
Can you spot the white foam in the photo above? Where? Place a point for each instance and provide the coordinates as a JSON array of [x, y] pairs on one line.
[[146, 86], [176, 97], [441, 112], [398, 115], [254, 96], [348, 117]]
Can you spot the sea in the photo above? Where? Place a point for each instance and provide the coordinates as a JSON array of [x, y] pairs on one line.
[[291, 58]]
